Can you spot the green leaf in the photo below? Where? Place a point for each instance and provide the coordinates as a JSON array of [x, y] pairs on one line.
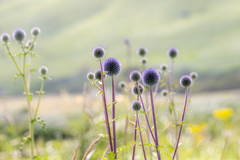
[[111, 156], [20, 55], [7, 53], [179, 112], [132, 122], [182, 122], [99, 92], [104, 136], [173, 86], [143, 112], [169, 157], [101, 122], [189, 109], [32, 70], [113, 120], [162, 85], [179, 144], [103, 158], [114, 102], [160, 147], [122, 148], [105, 72], [27, 65]]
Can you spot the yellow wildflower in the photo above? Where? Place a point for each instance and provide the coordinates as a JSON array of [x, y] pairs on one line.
[[223, 113], [194, 128]]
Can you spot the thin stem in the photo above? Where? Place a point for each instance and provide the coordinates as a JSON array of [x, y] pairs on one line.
[[146, 116], [154, 123], [29, 73], [170, 123], [13, 59], [113, 117], [39, 99], [140, 133], [97, 86], [135, 138], [180, 131], [105, 108], [224, 147]]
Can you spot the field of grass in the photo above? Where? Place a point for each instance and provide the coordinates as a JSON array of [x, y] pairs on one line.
[[72, 119], [206, 33]]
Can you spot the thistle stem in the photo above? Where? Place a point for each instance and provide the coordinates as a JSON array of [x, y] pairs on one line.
[[140, 133], [13, 59], [105, 108], [154, 123], [180, 130], [39, 99], [170, 123], [135, 138], [113, 117]]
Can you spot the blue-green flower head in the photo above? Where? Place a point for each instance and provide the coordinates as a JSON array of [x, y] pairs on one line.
[[135, 76], [194, 75], [136, 105], [185, 81], [172, 52], [5, 37], [142, 51], [150, 77], [90, 76], [29, 44], [143, 60], [43, 70], [135, 89], [35, 31], [164, 67], [97, 75], [19, 35], [112, 66], [164, 93], [122, 84], [98, 52]]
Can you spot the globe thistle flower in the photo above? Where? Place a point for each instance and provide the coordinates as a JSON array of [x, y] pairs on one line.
[[29, 44], [135, 76], [135, 88], [143, 60], [172, 52], [164, 67], [150, 77], [97, 75], [19, 35], [122, 84], [35, 31], [142, 51], [112, 66], [185, 81], [164, 93], [90, 76], [5, 37], [127, 41], [194, 75], [43, 70], [136, 105], [98, 52]]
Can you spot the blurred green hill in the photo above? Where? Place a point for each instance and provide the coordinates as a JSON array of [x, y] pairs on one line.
[[205, 32]]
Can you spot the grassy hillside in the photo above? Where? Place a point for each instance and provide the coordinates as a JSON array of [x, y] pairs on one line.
[[206, 33]]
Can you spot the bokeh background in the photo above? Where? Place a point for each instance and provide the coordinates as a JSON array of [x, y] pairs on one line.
[[206, 33]]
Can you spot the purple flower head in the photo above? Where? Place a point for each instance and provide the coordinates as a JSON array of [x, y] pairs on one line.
[[135, 76], [19, 35], [164, 93], [142, 51], [127, 41], [97, 75], [98, 52], [164, 67], [194, 75], [185, 81], [136, 105], [43, 70], [150, 77], [90, 76], [5, 37], [112, 66], [35, 31], [143, 60], [172, 52], [135, 89], [122, 84]]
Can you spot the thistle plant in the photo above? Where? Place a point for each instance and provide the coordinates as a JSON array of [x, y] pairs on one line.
[[194, 76], [19, 35], [112, 67], [185, 82], [151, 78]]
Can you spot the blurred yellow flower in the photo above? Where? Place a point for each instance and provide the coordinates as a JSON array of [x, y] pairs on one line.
[[223, 113], [194, 128]]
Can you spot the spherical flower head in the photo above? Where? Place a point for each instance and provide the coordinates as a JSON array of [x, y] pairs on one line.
[[150, 77], [143, 60], [98, 52], [5, 37], [112, 66], [90, 76], [29, 44], [135, 76], [136, 105], [19, 35], [97, 75], [172, 52], [194, 75], [142, 51], [185, 81], [43, 70], [135, 88], [122, 84], [164, 93], [35, 31], [164, 67], [127, 41]]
